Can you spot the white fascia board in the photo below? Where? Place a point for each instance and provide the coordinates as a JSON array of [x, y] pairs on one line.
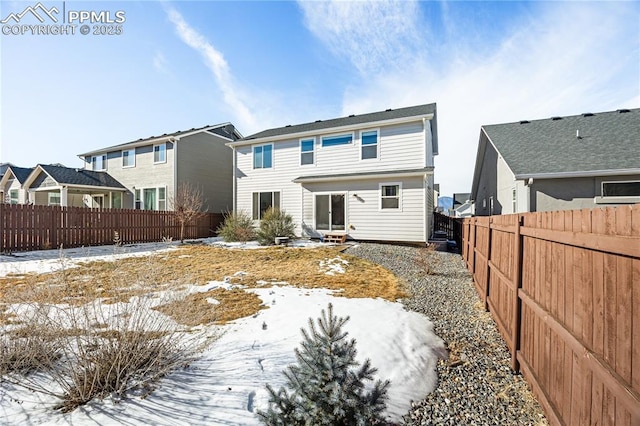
[[362, 177], [330, 130], [71, 186], [587, 173], [130, 145]]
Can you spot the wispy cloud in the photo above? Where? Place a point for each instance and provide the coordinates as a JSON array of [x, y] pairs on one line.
[[217, 64], [159, 62], [561, 58], [374, 36]]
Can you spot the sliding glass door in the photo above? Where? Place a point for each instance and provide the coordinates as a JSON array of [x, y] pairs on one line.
[[330, 212]]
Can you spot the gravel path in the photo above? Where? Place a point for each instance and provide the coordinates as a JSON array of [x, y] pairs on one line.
[[476, 385]]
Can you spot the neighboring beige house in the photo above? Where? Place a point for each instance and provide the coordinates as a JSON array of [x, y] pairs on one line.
[[12, 190], [55, 185], [152, 169], [368, 176], [560, 163]]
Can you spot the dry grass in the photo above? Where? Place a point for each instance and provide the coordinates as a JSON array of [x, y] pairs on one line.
[[199, 265]]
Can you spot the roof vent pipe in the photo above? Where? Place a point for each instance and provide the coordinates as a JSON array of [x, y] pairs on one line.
[[578, 134]]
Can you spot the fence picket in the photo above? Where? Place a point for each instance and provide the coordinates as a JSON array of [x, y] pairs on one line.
[[573, 323], [32, 227]]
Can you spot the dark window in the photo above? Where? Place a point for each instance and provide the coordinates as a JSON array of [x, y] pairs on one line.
[[621, 189]]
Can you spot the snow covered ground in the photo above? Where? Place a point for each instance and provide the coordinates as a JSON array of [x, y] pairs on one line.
[[227, 384]]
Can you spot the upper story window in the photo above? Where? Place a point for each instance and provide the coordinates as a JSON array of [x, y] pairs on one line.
[[369, 144], [263, 156], [307, 148], [390, 196], [129, 158], [337, 140], [99, 162], [160, 153]]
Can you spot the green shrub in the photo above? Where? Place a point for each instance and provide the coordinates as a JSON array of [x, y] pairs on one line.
[[275, 223], [237, 226]]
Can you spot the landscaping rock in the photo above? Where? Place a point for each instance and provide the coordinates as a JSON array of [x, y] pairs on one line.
[[476, 384]]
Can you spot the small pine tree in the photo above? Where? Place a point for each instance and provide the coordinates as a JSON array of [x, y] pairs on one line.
[[326, 387]]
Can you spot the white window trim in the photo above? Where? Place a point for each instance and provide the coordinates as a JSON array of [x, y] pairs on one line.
[[104, 163], [134, 158], [273, 155], [165, 199], [313, 151], [17, 197], [616, 199], [347, 224], [157, 205], [49, 194], [259, 192], [154, 153], [377, 130], [332, 135], [399, 185]]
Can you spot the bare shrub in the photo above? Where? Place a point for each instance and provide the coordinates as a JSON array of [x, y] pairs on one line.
[[237, 226], [188, 204], [22, 353], [95, 349]]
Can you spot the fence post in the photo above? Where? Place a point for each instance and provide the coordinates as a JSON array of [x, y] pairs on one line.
[[517, 285], [488, 278]]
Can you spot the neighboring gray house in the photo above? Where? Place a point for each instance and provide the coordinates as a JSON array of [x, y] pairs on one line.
[[367, 176], [12, 179], [152, 169], [560, 163], [55, 185]]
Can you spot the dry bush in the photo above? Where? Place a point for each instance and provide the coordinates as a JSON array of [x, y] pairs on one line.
[[237, 226], [24, 353], [94, 349]]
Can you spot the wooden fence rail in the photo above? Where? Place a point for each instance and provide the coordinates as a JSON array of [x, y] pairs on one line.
[[564, 289], [29, 227]]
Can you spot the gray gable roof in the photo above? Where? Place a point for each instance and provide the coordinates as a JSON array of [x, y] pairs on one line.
[[69, 176], [21, 173], [226, 130], [389, 114], [607, 141]]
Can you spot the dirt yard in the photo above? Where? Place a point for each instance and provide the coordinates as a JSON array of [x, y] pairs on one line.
[[188, 266]]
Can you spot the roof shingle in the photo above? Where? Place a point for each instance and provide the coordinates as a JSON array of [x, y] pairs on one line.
[[578, 143]]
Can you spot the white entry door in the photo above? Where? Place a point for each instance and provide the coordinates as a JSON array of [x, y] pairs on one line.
[[330, 212]]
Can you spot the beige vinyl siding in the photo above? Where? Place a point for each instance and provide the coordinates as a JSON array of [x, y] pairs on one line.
[[145, 174], [206, 162], [401, 147], [277, 178], [364, 218]]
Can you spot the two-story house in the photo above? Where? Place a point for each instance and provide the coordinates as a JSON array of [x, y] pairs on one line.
[[368, 176], [152, 169], [559, 163]]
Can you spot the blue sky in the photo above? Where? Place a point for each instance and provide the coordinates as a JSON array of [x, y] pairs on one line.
[[264, 64]]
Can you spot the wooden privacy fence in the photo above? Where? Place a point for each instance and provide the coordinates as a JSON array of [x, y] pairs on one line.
[[564, 289], [29, 227]]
